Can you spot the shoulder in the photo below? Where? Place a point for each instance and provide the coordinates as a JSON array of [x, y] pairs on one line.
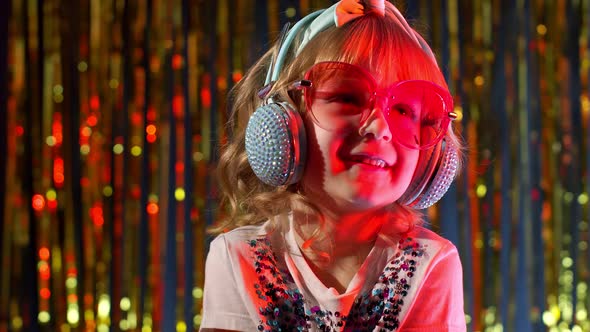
[[241, 234], [240, 242], [443, 258], [433, 240], [425, 264], [438, 296], [431, 249], [420, 243], [422, 249]]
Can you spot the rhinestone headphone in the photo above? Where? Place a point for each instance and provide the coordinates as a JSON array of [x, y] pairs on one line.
[[276, 142]]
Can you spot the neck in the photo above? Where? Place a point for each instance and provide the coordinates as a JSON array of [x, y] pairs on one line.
[[339, 234]]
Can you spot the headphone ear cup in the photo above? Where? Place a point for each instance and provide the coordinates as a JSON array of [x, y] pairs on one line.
[[276, 144], [432, 180]]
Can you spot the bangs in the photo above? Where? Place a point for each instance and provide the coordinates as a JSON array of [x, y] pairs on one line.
[[390, 54]]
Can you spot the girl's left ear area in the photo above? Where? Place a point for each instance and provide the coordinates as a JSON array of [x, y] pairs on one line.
[[296, 98]]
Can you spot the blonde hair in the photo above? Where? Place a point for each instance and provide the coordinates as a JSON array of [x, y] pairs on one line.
[[371, 41]]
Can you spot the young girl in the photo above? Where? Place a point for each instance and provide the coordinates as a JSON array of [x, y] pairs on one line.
[[343, 133]]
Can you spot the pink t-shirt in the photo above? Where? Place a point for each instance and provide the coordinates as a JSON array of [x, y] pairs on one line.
[[256, 279]]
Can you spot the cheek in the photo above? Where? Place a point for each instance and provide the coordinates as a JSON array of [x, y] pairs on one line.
[[315, 163], [408, 166], [322, 148], [323, 165], [412, 162]]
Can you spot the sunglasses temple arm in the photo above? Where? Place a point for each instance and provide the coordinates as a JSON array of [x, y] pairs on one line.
[[298, 85]]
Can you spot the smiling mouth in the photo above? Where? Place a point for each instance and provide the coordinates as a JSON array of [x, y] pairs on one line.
[[372, 161]]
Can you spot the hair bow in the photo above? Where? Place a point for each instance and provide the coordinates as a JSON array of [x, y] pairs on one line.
[[345, 11], [348, 10]]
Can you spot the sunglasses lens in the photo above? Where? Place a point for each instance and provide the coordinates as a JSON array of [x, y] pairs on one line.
[[418, 113], [339, 94], [343, 95]]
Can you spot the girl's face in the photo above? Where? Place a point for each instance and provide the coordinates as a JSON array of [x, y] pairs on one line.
[[352, 172], [356, 159]]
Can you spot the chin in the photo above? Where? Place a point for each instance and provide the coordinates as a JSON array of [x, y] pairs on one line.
[[368, 195], [362, 204]]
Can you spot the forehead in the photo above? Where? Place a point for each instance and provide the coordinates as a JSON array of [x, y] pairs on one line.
[[387, 64], [345, 72], [382, 71], [388, 57]]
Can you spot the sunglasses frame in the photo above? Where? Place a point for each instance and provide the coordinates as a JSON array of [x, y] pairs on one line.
[[447, 99]]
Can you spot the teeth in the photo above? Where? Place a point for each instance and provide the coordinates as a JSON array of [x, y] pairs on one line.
[[374, 162]]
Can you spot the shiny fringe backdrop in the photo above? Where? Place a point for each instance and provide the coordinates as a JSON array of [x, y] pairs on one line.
[[112, 113]]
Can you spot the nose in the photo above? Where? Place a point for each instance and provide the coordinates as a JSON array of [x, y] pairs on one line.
[[376, 124]]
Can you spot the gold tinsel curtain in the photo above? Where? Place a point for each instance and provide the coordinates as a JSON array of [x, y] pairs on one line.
[[112, 112]]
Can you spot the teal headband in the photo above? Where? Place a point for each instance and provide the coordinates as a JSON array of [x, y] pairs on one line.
[[337, 15]]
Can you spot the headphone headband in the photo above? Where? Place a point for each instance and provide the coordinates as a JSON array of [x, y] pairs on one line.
[[275, 70]]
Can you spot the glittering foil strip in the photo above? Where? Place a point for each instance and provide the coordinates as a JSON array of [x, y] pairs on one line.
[[6, 125]]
